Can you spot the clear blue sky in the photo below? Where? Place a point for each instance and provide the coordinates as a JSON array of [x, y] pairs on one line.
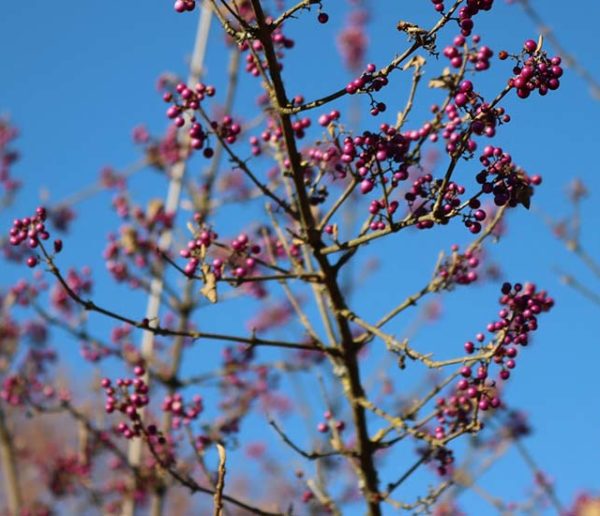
[[76, 77]]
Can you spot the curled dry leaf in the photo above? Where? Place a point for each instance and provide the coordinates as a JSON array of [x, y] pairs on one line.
[[540, 43], [447, 80], [129, 239], [209, 290], [155, 206], [416, 62], [411, 29]]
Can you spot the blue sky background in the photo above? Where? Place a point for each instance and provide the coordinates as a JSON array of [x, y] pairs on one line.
[[76, 77]]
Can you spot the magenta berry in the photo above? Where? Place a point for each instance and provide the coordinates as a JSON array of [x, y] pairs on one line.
[[530, 46], [322, 428]]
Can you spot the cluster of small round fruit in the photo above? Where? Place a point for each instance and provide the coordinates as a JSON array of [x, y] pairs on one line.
[[182, 414], [466, 14], [120, 398], [189, 99], [182, 6], [508, 183], [479, 57], [460, 268], [535, 71], [31, 231]]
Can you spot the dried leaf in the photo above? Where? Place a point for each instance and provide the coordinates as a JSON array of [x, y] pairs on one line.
[[540, 43], [155, 206], [523, 195], [209, 290], [410, 28], [192, 229], [416, 62], [154, 158], [445, 81], [129, 240]]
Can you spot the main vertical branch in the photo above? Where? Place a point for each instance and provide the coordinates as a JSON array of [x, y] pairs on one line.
[[203, 208], [365, 466]]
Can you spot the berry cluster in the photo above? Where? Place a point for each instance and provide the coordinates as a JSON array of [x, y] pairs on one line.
[[328, 118], [32, 230], [440, 454], [240, 260], [368, 83], [508, 183], [18, 388], [195, 250], [67, 471], [254, 63], [459, 268], [160, 153], [299, 127], [127, 396], [466, 14], [517, 319], [535, 71], [479, 57], [457, 131], [475, 387], [25, 293], [273, 133], [384, 158], [175, 405], [371, 151], [227, 129], [182, 6], [482, 120], [61, 217], [255, 147], [189, 99], [330, 423], [522, 306], [375, 208], [475, 390], [422, 195]]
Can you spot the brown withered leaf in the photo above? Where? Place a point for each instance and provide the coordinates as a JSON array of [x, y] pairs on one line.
[[129, 239], [154, 158], [155, 206], [445, 81], [540, 43], [411, 29], [209, 290], [191, 228], [416, 61], [523, 195]]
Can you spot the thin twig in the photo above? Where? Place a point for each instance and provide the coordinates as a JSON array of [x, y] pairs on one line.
[[218, 497]]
